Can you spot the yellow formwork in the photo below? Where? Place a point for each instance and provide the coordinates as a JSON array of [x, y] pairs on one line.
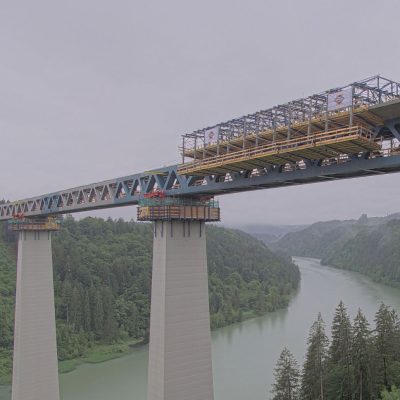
[[31, 224], [361, 116], [332, 143], [178, 212]]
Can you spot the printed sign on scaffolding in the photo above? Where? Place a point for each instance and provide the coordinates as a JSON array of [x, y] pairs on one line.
[[340, 99]]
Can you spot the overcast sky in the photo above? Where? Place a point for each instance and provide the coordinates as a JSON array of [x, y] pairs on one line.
[[94, 89]]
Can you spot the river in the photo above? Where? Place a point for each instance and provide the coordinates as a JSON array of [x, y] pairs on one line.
[[244, 354]]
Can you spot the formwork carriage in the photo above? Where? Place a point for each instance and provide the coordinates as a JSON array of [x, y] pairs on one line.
[[334, 124]]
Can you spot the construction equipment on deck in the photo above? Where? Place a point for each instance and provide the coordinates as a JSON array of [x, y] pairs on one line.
[[338, 123]]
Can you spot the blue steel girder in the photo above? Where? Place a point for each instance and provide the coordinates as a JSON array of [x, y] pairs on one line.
[[394, 127], [128, 190]]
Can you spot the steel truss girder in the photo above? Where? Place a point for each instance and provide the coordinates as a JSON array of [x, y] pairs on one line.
[[128, 190]]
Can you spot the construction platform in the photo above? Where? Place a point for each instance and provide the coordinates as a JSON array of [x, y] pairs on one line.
[[19, 224], [168, 209], [323, 145], [343, 121]]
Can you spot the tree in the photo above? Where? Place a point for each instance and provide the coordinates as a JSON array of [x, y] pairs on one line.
[[361, 357], [314, 369], [96, 311], [287, 378], [394, 394], [340, 377], [86, 318], [386, 341], [5, 328]]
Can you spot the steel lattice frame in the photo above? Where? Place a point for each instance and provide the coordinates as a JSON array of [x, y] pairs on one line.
[[367, 92]]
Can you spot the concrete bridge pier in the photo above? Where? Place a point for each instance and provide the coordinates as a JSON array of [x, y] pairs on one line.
[[180, 364], [35, 367]]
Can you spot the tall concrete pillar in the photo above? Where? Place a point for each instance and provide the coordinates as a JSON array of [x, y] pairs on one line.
[[35, 368], [180, 366]]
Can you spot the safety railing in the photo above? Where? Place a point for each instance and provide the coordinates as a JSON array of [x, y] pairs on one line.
[[283, 146], [31, 224]]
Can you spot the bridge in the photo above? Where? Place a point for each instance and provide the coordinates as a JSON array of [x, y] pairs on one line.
[[345, 132]]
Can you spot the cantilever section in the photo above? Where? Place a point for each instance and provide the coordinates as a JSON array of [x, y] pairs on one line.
[[327, 144]]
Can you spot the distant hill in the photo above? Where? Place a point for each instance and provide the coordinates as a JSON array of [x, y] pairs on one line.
[[366, 245], [318, 239], [373, 251], [270, 233]]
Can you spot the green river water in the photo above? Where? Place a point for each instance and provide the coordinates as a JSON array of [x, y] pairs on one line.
[[244, 354]]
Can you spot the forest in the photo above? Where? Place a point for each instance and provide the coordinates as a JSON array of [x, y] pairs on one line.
[[367, 245], [360, 362], [102, 278]]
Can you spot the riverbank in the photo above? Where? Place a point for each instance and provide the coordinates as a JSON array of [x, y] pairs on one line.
[[373, 275], [102, 352], [99, 353]]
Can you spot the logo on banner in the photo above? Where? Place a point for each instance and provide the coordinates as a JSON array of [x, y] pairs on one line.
[[211, 135], [341, 99]]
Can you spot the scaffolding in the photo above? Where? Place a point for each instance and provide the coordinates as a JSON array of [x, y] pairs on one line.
[[183, 209], [360, 106], [325, 145], [21, 223]]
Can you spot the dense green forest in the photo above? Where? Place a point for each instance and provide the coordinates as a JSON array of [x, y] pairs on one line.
[[357, 363], [102, 274], [373, 251], [366, 245]]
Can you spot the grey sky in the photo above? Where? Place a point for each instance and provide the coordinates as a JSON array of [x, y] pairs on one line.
[[95, 89]]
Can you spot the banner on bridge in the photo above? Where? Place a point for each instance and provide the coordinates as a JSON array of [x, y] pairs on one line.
[[211, 135], [340, 99]]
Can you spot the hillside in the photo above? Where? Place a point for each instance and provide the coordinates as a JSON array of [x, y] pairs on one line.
[[102, 273], [366, 245], [373, 251], [270, 234]]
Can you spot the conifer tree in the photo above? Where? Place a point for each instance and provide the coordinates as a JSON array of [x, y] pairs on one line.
[[386, 342], [340, 376], [394, 394], [287, 378], [5, 331], [361, 357], [86, 311], [314, 369]]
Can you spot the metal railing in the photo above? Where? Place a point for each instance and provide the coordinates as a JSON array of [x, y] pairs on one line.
[[363, 94], [283, 146], [178, 201], [34, 224]]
